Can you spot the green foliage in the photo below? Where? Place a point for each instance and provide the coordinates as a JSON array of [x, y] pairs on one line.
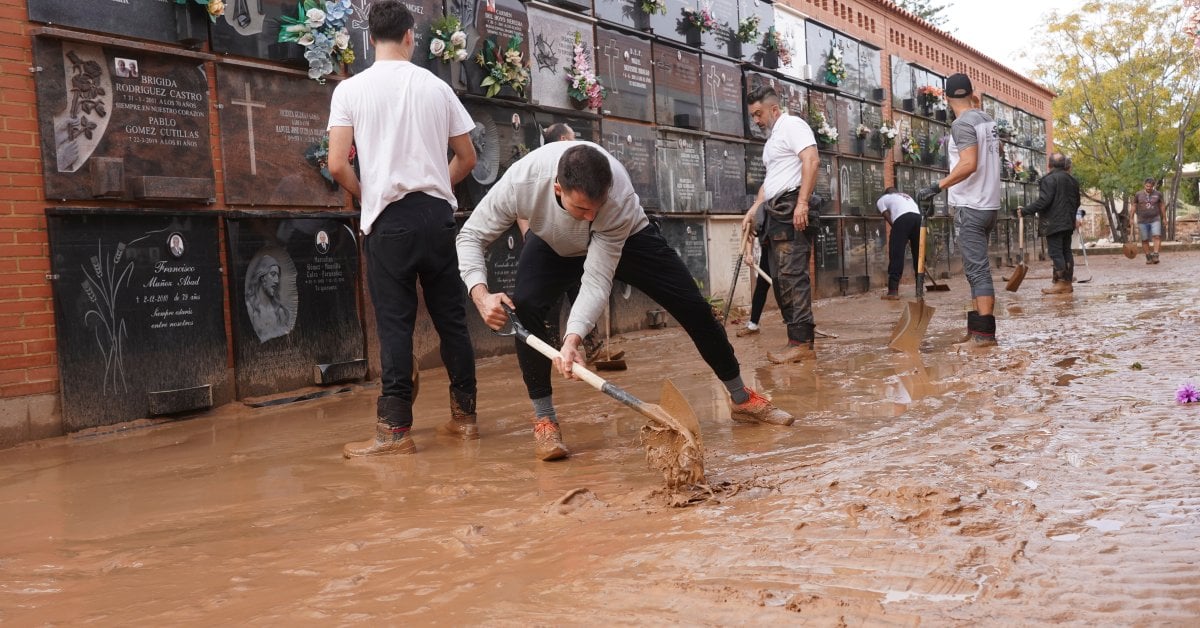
[[927, 10]]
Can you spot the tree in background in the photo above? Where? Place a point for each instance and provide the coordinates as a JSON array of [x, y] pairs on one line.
[[1128, 88], [925, 9]]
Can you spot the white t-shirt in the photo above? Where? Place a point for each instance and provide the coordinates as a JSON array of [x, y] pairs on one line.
[[981, 190], [781, 154], [403, 118], [898, 203]]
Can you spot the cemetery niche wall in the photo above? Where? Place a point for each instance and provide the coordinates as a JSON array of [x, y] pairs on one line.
[[121, 123], [138, 312], [143, 19]]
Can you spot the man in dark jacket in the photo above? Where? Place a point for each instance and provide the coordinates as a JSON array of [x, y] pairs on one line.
[[1056, 204]]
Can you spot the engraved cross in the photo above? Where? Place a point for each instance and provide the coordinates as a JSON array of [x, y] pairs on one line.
[[250, 106]]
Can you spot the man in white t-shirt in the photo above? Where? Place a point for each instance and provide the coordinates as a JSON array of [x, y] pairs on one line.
[[401, 118], [901, 213], [587, 226], [791, 160], [974, 189]]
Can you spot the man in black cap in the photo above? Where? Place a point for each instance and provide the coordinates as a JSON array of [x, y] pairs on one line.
[[974, 190]]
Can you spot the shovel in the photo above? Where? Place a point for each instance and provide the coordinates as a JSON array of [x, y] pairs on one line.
[[914, 318], [1083, 248], [1018, 275], [1130, 249], [737, 270], [934, 286], [612, 361], [671, 438]]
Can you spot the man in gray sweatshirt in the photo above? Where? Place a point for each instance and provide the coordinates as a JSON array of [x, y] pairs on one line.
[[587, 225]]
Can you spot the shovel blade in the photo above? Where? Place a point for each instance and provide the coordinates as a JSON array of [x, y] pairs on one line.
[[1130, 250], [1018, 276], [673, 403], [910, 329], [672, 439]]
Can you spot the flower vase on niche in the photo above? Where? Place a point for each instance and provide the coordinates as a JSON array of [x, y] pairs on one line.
[[693, 37], [287, 52], [735, 48], [940, 115], [577, 105], [907, 104], [770, 59], [189, 31]]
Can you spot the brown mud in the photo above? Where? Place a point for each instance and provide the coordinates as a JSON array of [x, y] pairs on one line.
[[1044, 481]]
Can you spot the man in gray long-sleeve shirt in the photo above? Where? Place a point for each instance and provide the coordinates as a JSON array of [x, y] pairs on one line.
[[587, 225]]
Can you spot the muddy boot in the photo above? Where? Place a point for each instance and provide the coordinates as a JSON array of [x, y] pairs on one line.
[[758, 409], [547, 440], [1149, 258], [892, 295], [747, 331], [462, 420], [1155, 257], [981, 330], [388, 440], [799, 347], [1061, 285]]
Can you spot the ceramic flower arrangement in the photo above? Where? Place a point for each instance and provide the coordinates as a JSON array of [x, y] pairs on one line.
[[321, 28], [701, 19], [448, 42], [887, 135], [504, 67], [747, 30], [584, 85], [826, 134], [835, 67], [650, 7]]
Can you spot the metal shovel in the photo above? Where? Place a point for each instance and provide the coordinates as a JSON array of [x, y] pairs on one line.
[[915, 317], [671, 438], [1018, 275]]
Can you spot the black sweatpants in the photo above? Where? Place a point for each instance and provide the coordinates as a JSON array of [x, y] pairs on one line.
[[413, 239], [647, 263], [905, 229], [1058, 247]]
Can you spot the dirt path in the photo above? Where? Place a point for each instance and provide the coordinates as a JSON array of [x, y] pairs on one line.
[[1046, 481]]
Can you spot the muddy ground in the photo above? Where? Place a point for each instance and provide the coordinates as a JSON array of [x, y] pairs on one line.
[[1046, 481]]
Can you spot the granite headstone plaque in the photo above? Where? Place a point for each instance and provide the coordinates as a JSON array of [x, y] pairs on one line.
[[906, 180], [872, 118], [920, 131], [792, 32], [498, 22], [723, 103], [139, 314], [719, 40], [826, 184], [123, 124], [250, 28], [681, 173], [552, 43], [877, 253], [757, 53], [677, 85], [828, 258], [848, 119], [626, 69], [903, 98], [852, 83], [870, 73], [872, 186], [673, 26], [687, 237], [756, 171], [827, 105], [857, 238], [144, 19], [634, 146], [424, 13], [272, 129], [293, 302], [940, 145], [725, 176], [627, 13], [851, 185], [501, 136], [819, 42], [793, 96]]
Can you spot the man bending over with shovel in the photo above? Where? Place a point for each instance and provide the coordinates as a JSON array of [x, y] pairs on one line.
[[586, 225]]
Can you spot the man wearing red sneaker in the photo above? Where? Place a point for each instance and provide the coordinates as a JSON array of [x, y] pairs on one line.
[[587, 226]]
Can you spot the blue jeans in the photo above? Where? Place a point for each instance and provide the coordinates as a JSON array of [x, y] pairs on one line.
[[1150, 230], [974, 230]]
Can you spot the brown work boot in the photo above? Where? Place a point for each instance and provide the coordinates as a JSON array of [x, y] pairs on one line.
[[388, 440], [758, 409], [892, 295], [547, 440], [1061, 285], [1149, 258], [793, 353], [1155, 258], [747, 331], [462, 423]]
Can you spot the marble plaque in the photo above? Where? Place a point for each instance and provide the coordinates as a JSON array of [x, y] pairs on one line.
[[631, 309], [872, 117], [250, 28], [828, 252], [677, 85], [792, 30], [906, 180], [271, 123], [681, 173], [122, 123], [827, 183], [143, 19], [756, 171], [424, 13], [872, 186], [903, 92], [626, 69], [138, 310], [585, 128], [850, 181], [870, 73], [293, 299], [852, 84], [498, 21], [855, 253], [725, 176], [672, 26], [756, 53], [634, 146], [848, 119], [687, 237], [724, 106], [920, 131], [717, 41], [627, 13], [552, 42], [502, 135], [819, 42], [940, 134]]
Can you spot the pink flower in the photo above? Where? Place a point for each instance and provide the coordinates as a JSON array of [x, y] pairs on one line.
[[1187, 393]]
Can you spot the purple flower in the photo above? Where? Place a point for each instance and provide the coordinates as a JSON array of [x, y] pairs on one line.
[[1187, 392]]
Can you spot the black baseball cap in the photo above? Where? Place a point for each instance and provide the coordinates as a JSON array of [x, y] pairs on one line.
[[958, 86]]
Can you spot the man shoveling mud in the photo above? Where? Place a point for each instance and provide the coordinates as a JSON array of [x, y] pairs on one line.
[[586, 225]]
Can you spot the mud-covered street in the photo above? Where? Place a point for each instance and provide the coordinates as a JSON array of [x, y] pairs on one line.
[[1048, 480]]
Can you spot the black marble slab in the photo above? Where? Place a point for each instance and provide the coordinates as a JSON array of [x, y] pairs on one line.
[[681, 173], [828, 258], [121, 123], [502, 135], [724, 106], [424, 13], [688, 237], [872, 186], [677, 87], [293, 299], [848, 119], [792, 30], [870, 68], [626, 69], [498, 21], [826, 185], [627, 13], [142, 19], [725, 176], [586, 128], [757, 53], [672, 27], [138, 310], [818, 41], [851, 186], [756, 171], [852, 83], [634, 146], [721, 39], [872, 117]]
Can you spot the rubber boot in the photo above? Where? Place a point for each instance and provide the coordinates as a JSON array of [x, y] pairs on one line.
[[798, 349], [1061, 285], [388, 440], [981, 329], [893, 292], [462, 419]]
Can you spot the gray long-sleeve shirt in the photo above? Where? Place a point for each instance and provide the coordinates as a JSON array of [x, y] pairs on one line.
[[527, 191]]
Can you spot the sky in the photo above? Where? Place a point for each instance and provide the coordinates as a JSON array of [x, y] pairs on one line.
[[1003, 30]]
